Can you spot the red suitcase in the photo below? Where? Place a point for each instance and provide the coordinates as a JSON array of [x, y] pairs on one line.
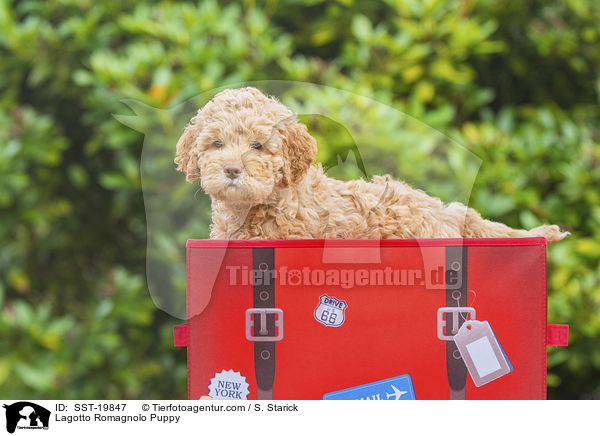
[[304, 319]]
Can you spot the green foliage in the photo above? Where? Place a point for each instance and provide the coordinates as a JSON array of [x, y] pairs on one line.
[[517, 83]]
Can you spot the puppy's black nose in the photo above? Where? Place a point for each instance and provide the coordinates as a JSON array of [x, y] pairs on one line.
[[232, 171]]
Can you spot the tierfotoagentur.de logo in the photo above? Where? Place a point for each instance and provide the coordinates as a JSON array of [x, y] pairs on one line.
[[431, 277]]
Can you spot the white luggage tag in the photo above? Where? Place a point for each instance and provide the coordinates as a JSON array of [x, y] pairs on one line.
[[483, 355]]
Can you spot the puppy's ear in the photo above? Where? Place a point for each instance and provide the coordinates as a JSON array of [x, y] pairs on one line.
[[299, 150], [185, 159]]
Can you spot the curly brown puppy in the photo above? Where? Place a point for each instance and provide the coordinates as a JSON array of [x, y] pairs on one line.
[[256, 162]]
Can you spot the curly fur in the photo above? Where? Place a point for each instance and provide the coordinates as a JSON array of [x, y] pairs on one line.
[[282, 194]]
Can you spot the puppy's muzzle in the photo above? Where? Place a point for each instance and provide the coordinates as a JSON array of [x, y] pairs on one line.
[[232, 171]]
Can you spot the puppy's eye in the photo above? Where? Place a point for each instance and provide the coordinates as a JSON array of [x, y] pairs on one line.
[[217, 144], [256, 145]]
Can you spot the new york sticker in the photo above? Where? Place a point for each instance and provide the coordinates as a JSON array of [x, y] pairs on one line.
[[228, 385], [395, 388]]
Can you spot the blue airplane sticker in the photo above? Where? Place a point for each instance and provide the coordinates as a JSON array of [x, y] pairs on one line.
[[395, 388]]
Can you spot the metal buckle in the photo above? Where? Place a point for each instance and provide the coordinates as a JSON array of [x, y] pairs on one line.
[[263, 324], [441, 323]]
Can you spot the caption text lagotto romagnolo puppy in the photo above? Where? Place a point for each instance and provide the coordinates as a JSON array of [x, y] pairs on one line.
[[256, 162]]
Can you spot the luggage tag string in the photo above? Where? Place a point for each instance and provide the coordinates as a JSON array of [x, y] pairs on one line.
[[458, 302]]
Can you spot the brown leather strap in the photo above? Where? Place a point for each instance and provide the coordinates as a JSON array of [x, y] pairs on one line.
[[456, 295], [263, 260]]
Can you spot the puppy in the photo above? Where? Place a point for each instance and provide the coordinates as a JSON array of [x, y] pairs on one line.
[[256, 162]]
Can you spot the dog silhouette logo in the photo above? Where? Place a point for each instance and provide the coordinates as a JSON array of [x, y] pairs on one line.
[[26, 415]]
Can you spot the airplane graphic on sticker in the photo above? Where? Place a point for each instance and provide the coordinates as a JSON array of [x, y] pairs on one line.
[[395, 388], [330, 311]]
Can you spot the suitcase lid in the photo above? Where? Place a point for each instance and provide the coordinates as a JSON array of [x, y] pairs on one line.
[[369, 253], [298, 243]]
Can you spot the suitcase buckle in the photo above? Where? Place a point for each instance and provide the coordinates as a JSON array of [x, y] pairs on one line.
[[441, 322], [262, 333]]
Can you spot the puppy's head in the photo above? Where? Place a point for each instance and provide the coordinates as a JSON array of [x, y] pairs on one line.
[[242, 145]]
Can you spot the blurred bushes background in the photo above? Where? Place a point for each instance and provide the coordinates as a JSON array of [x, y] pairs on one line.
[[516, 82]]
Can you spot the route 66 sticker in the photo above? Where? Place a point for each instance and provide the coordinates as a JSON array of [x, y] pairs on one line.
[[330, 311]]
